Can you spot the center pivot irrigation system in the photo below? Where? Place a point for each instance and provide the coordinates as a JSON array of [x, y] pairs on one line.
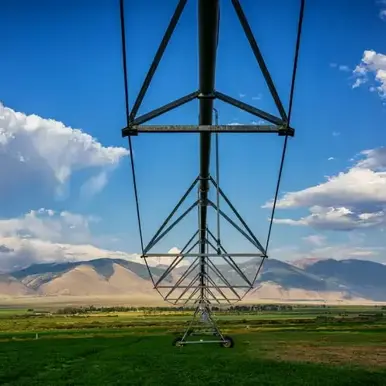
[[203, 283]]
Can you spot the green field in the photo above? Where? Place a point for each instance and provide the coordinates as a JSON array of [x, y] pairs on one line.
[[301, 346]]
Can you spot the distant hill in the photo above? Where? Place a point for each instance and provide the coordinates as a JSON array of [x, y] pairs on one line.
[[87, 278], [289, 276], [316, 280], [303, 263], [11, 287], [366, 278]]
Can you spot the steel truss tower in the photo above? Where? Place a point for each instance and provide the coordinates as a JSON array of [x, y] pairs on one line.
[[202, 283]]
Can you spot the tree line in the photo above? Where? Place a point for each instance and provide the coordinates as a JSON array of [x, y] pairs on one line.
[[230, 309]]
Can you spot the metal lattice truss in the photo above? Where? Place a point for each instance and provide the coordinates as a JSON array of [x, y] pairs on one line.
[[218, 288], [211, 8], [202, 281]]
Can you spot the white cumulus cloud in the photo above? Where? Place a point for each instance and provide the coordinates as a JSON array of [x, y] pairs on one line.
[[337, 219], [48, 152], [350, 200], [372, 64], [382, 11], [374, 159], [94, 184], [48, 225], [315, 239]]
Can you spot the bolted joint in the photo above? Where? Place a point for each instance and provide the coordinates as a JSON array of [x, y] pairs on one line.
[[206, 96], [203, 202], [285, 130], [204, 187], [129, 131]]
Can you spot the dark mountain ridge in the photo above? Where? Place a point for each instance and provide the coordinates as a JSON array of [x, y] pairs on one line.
[[350, 278]]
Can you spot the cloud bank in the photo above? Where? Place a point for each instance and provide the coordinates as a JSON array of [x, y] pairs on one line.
[[48, 236], [350, 200], [45, 235]]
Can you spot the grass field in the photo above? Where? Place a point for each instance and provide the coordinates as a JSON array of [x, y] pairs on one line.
[[304, 346]]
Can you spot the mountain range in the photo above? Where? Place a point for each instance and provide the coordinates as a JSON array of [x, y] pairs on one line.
[[326, 280]]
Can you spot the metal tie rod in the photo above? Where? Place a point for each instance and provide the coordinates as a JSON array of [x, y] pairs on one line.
[[203, 254], [266, 129]]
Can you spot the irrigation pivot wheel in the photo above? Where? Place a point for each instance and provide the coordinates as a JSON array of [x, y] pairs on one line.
[[228, 342], [177, 341]]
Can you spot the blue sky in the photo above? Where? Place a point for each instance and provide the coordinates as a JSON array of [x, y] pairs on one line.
[[62, 62]]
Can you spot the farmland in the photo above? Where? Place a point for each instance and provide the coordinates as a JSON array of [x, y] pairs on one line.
[[299, 345]]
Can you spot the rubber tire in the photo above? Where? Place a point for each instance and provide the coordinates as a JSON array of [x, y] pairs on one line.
[[176, 342], [229, 344]]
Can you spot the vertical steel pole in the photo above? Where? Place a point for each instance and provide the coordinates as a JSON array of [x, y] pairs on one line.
[[218, 183], [208, 25]]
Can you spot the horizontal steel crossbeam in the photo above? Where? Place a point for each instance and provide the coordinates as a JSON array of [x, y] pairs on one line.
[[203, 255], [223, 301], [205, 286], [266, 129]]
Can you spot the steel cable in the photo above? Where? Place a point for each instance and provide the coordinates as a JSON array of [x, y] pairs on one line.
[[297, 48], [123, 39]]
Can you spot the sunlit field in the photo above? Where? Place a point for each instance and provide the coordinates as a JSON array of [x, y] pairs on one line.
[[289, 346]]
